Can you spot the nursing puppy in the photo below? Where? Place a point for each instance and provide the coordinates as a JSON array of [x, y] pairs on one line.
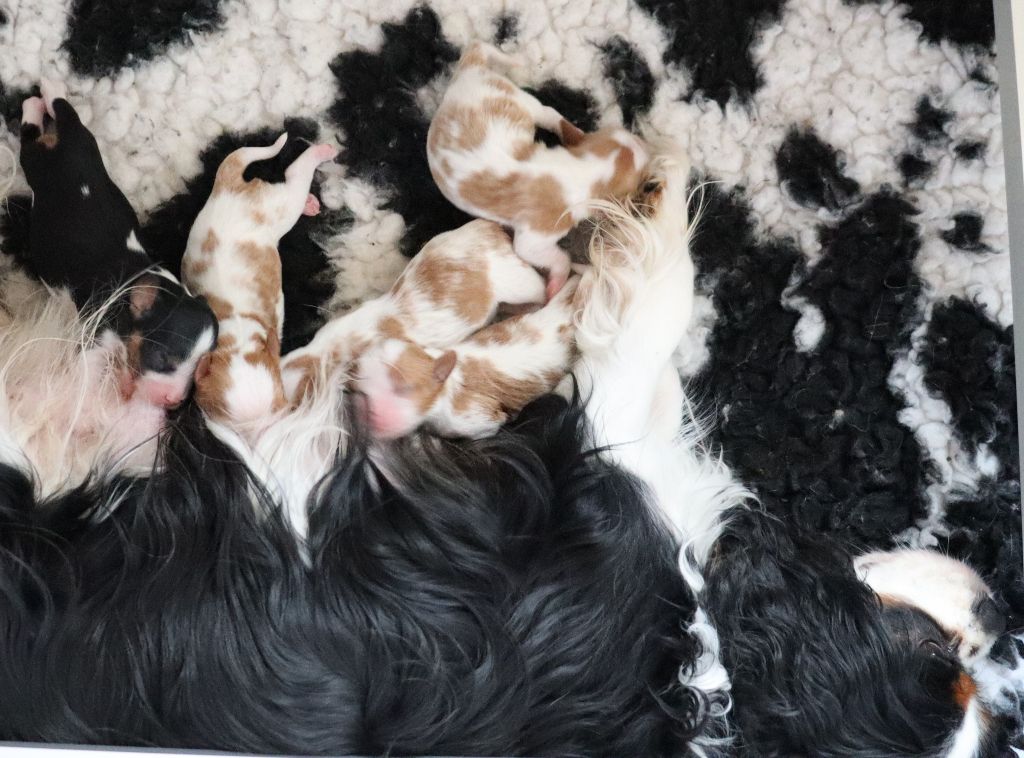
[[483, 156], [454, 286], [474, 388], [231, 259], [84, 236]]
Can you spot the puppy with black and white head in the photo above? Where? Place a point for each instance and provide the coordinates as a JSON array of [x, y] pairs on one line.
[[85, 236]]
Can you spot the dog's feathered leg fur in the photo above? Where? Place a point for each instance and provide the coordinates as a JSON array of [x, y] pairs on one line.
[[636, 304]]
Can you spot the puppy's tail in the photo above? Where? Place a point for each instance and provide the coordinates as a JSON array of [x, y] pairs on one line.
[[232, 168]]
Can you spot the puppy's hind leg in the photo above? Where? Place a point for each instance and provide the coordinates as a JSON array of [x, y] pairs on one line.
[[542, 251], [51, 91], [548, 118], [516, 284], [33, 113], [299, 176]]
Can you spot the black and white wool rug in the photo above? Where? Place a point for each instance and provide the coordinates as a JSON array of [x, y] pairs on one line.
[[853, 336]]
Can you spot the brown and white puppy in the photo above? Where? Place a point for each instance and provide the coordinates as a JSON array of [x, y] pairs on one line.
[[472, 389], [483, 156], [232, 260], [454, 286]]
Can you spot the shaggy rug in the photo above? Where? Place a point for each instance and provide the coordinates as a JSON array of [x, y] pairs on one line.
[[853, 337]]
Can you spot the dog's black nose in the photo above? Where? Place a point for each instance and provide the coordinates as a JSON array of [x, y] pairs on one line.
[[989, 616]]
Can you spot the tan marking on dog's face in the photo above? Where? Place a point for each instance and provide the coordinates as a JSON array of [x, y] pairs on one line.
[[452, 284], [413, 376], [964, 688], [534, 201], [48, 140]]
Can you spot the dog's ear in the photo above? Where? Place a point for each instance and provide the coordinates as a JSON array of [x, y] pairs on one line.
[[443, 365], [143, 295]]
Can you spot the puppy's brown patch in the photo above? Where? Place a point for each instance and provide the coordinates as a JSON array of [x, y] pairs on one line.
[[48, 140], [448, 283], [390, 327], [534, 201], [514, 329], [221, 308], [210, 242], [413, 372], [230, 178], [486, 387]]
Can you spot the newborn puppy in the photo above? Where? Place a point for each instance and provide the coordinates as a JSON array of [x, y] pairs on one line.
[[471, 390], [231, 259], [84, 236], [454, 286], [483, 156]]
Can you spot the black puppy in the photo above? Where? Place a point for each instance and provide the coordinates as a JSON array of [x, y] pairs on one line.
[[84, 236]]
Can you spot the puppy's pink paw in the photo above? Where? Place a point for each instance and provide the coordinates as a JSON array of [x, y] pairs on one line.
[[555, 284], [312, 206], [33, 111]]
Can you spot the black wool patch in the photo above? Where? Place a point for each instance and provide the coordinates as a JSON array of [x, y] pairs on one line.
[[962, 22], [385, 129], [106, 36], [816, 433], [712, 42], [966, 233], [506, 28], [913, 168], [575, 105], [930, 122], [984, 531], [3, 18], [970, 151], [307, 276], [811, 172], [631, 78], [968, 361], [10, 106]]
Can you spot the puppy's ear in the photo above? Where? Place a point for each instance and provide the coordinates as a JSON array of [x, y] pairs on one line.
[[572, 135], [202, 368], [443, 365], [143, 295]]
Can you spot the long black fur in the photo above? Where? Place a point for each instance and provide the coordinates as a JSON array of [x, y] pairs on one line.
[[818, 666], [510, 596]]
